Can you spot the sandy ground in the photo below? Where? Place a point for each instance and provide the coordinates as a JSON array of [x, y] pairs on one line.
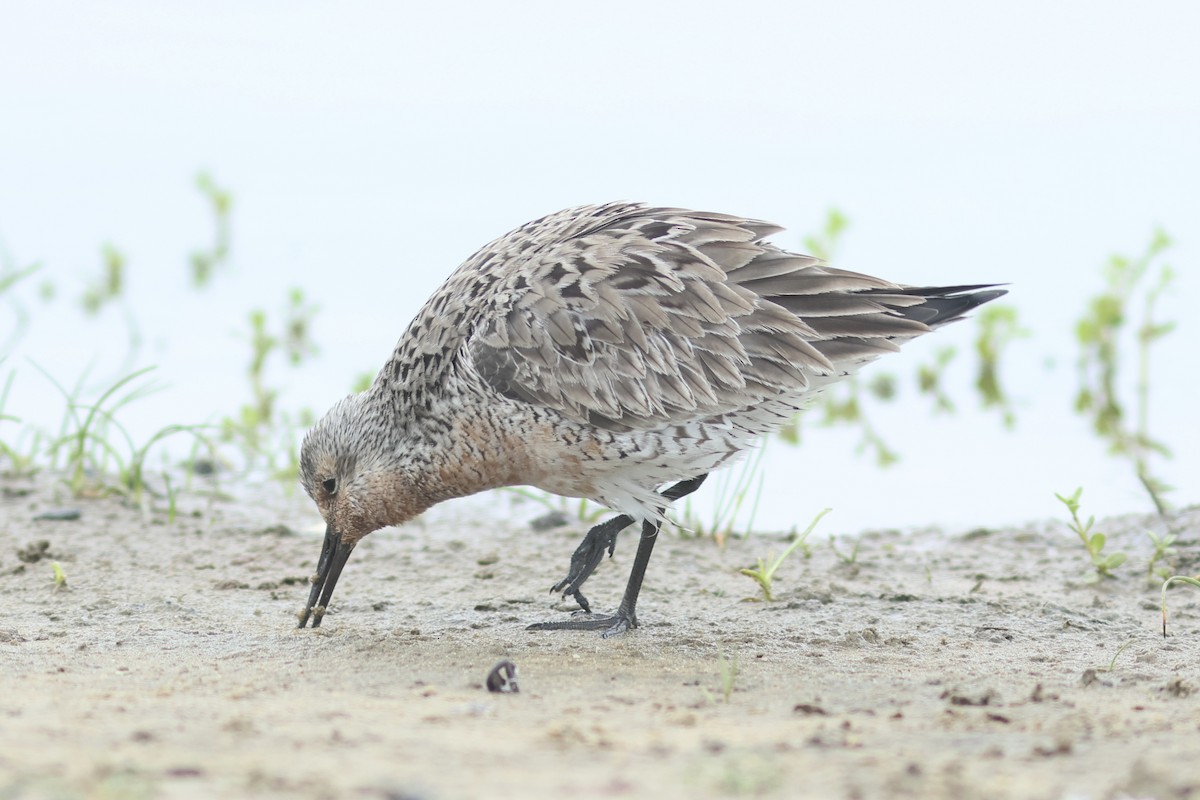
[[968, 664]]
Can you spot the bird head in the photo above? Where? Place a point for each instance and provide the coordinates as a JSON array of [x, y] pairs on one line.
[[344, 468]]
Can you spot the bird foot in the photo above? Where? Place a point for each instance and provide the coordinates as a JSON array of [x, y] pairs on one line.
[[609, 625], [587, 557], [572, 591]]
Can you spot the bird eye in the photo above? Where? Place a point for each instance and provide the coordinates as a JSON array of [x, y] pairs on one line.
[[330, 485]]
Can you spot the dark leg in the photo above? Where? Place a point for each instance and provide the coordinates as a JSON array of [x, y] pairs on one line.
[[590, 552], [626, 616], [588, 555]]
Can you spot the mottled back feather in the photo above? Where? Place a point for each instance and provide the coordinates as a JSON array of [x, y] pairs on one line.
[[633, 318], [600, 352]]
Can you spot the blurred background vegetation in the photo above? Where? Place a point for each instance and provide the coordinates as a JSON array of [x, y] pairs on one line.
[[255, 200], [97, 451]]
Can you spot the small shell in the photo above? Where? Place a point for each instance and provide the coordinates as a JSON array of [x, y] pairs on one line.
[[503, 678]]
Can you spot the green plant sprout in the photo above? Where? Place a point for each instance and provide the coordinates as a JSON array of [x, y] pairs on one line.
[[59, 577], [1162, 551], [4, 398], [18, 463], [172, 497], [728, 670], [82, 436], [846, 558], [844, 404], [110, 284], [929, 379], [205, 262], [765, 573], [131, 472], [1100, 360], [731, 488], [998, 329], [258, 429], [1103, 563], [824, 242], [849, 409], [93, 452], [1112, 664], [88, 440], [10, 277], [106, 290], [1166, 585]]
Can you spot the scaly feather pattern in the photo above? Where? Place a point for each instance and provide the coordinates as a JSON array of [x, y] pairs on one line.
[[601, 352]]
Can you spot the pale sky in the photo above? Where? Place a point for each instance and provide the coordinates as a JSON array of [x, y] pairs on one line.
[[372, 147]]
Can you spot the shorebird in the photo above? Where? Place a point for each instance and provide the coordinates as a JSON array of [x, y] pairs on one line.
[[602, 352]]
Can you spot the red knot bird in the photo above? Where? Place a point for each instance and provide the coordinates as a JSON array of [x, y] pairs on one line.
[[603, 352]]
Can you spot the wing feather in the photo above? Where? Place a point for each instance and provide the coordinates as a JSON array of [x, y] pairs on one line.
[[635, 318]]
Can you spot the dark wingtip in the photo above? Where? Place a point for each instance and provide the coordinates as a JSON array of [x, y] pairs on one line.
[[944, 304]]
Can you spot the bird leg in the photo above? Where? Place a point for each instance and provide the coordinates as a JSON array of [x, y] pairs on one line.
[[588, 555], [625, 616], [590, 552]]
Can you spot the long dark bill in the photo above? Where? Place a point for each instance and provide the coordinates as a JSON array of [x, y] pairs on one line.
[[334, 553]]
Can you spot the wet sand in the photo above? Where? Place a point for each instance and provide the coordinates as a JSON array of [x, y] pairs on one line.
[[939, 664]]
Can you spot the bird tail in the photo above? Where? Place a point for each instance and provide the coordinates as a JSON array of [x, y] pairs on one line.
[[943, 304]]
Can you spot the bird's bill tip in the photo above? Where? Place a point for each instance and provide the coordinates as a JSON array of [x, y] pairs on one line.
[[334, 553]]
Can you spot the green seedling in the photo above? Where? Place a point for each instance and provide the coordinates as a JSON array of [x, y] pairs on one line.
[[106, 290], [10, 277], [60, 577], [728, 670], [731, 489], [998, 329], [1103, 563], [259, 429], [91, 439], [131, 471], [848, 409], [1166, 585], [172, 497], [801, 543], [1112, 664], [1101, 362], [205, 262], [825, 242], [83, 436], [929, 379], [110, 284], [21, 460], [765, 573], [8, 381], [1162, 551], [844, 405], [846, 558]]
